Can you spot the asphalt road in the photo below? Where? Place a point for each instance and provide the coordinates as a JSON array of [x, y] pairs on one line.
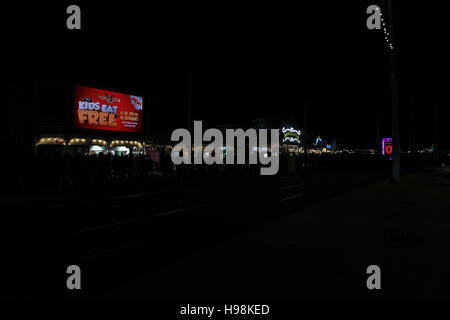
[[120, 239]]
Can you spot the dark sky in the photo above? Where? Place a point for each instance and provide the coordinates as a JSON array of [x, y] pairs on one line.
[[262, 58]]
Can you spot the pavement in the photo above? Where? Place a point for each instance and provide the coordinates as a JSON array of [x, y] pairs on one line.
[[323, 251]]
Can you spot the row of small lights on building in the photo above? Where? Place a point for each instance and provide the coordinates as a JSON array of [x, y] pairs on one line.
[[80, 141], [51, 141], [387, 35], [76, 141], [122, 142]]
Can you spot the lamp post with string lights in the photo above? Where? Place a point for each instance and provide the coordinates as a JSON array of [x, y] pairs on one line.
[[388, 31]]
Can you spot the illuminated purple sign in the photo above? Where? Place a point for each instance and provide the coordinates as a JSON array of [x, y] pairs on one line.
[[386, 146]]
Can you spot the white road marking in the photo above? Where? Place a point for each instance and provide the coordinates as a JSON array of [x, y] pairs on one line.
[[137, 195], [139, 219], [291, 187], [292, 197], [111, 250]]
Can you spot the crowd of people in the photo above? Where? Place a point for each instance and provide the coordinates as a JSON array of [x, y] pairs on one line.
[[52, 175], [66, 173]]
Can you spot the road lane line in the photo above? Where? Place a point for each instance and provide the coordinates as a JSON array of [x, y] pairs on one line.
[[292, 186], [292, 197], [137, 195], [111, 250], [176, 210], [139, 219]]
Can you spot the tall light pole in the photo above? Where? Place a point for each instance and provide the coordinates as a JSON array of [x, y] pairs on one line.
[[394, 103], [189, 115], [412, 119], [305, 127], [377, 142]]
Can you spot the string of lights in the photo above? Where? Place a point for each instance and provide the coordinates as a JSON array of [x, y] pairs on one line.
[[387, 34]]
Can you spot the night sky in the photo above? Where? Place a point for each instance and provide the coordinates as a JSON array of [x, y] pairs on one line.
[[265, 58]]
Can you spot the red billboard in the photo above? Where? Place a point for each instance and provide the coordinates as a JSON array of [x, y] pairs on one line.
[[107, 110]]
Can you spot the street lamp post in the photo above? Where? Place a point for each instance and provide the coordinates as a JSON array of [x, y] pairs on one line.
[[189, 115], [305, 127], [394, 105]]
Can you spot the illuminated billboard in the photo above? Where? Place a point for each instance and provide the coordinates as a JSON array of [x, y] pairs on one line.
[[386, 146], [107, 110]]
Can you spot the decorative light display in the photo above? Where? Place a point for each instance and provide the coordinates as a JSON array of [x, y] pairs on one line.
[[58, 141], [318, 141], [291, 135], [387, 34], [117, 143]]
